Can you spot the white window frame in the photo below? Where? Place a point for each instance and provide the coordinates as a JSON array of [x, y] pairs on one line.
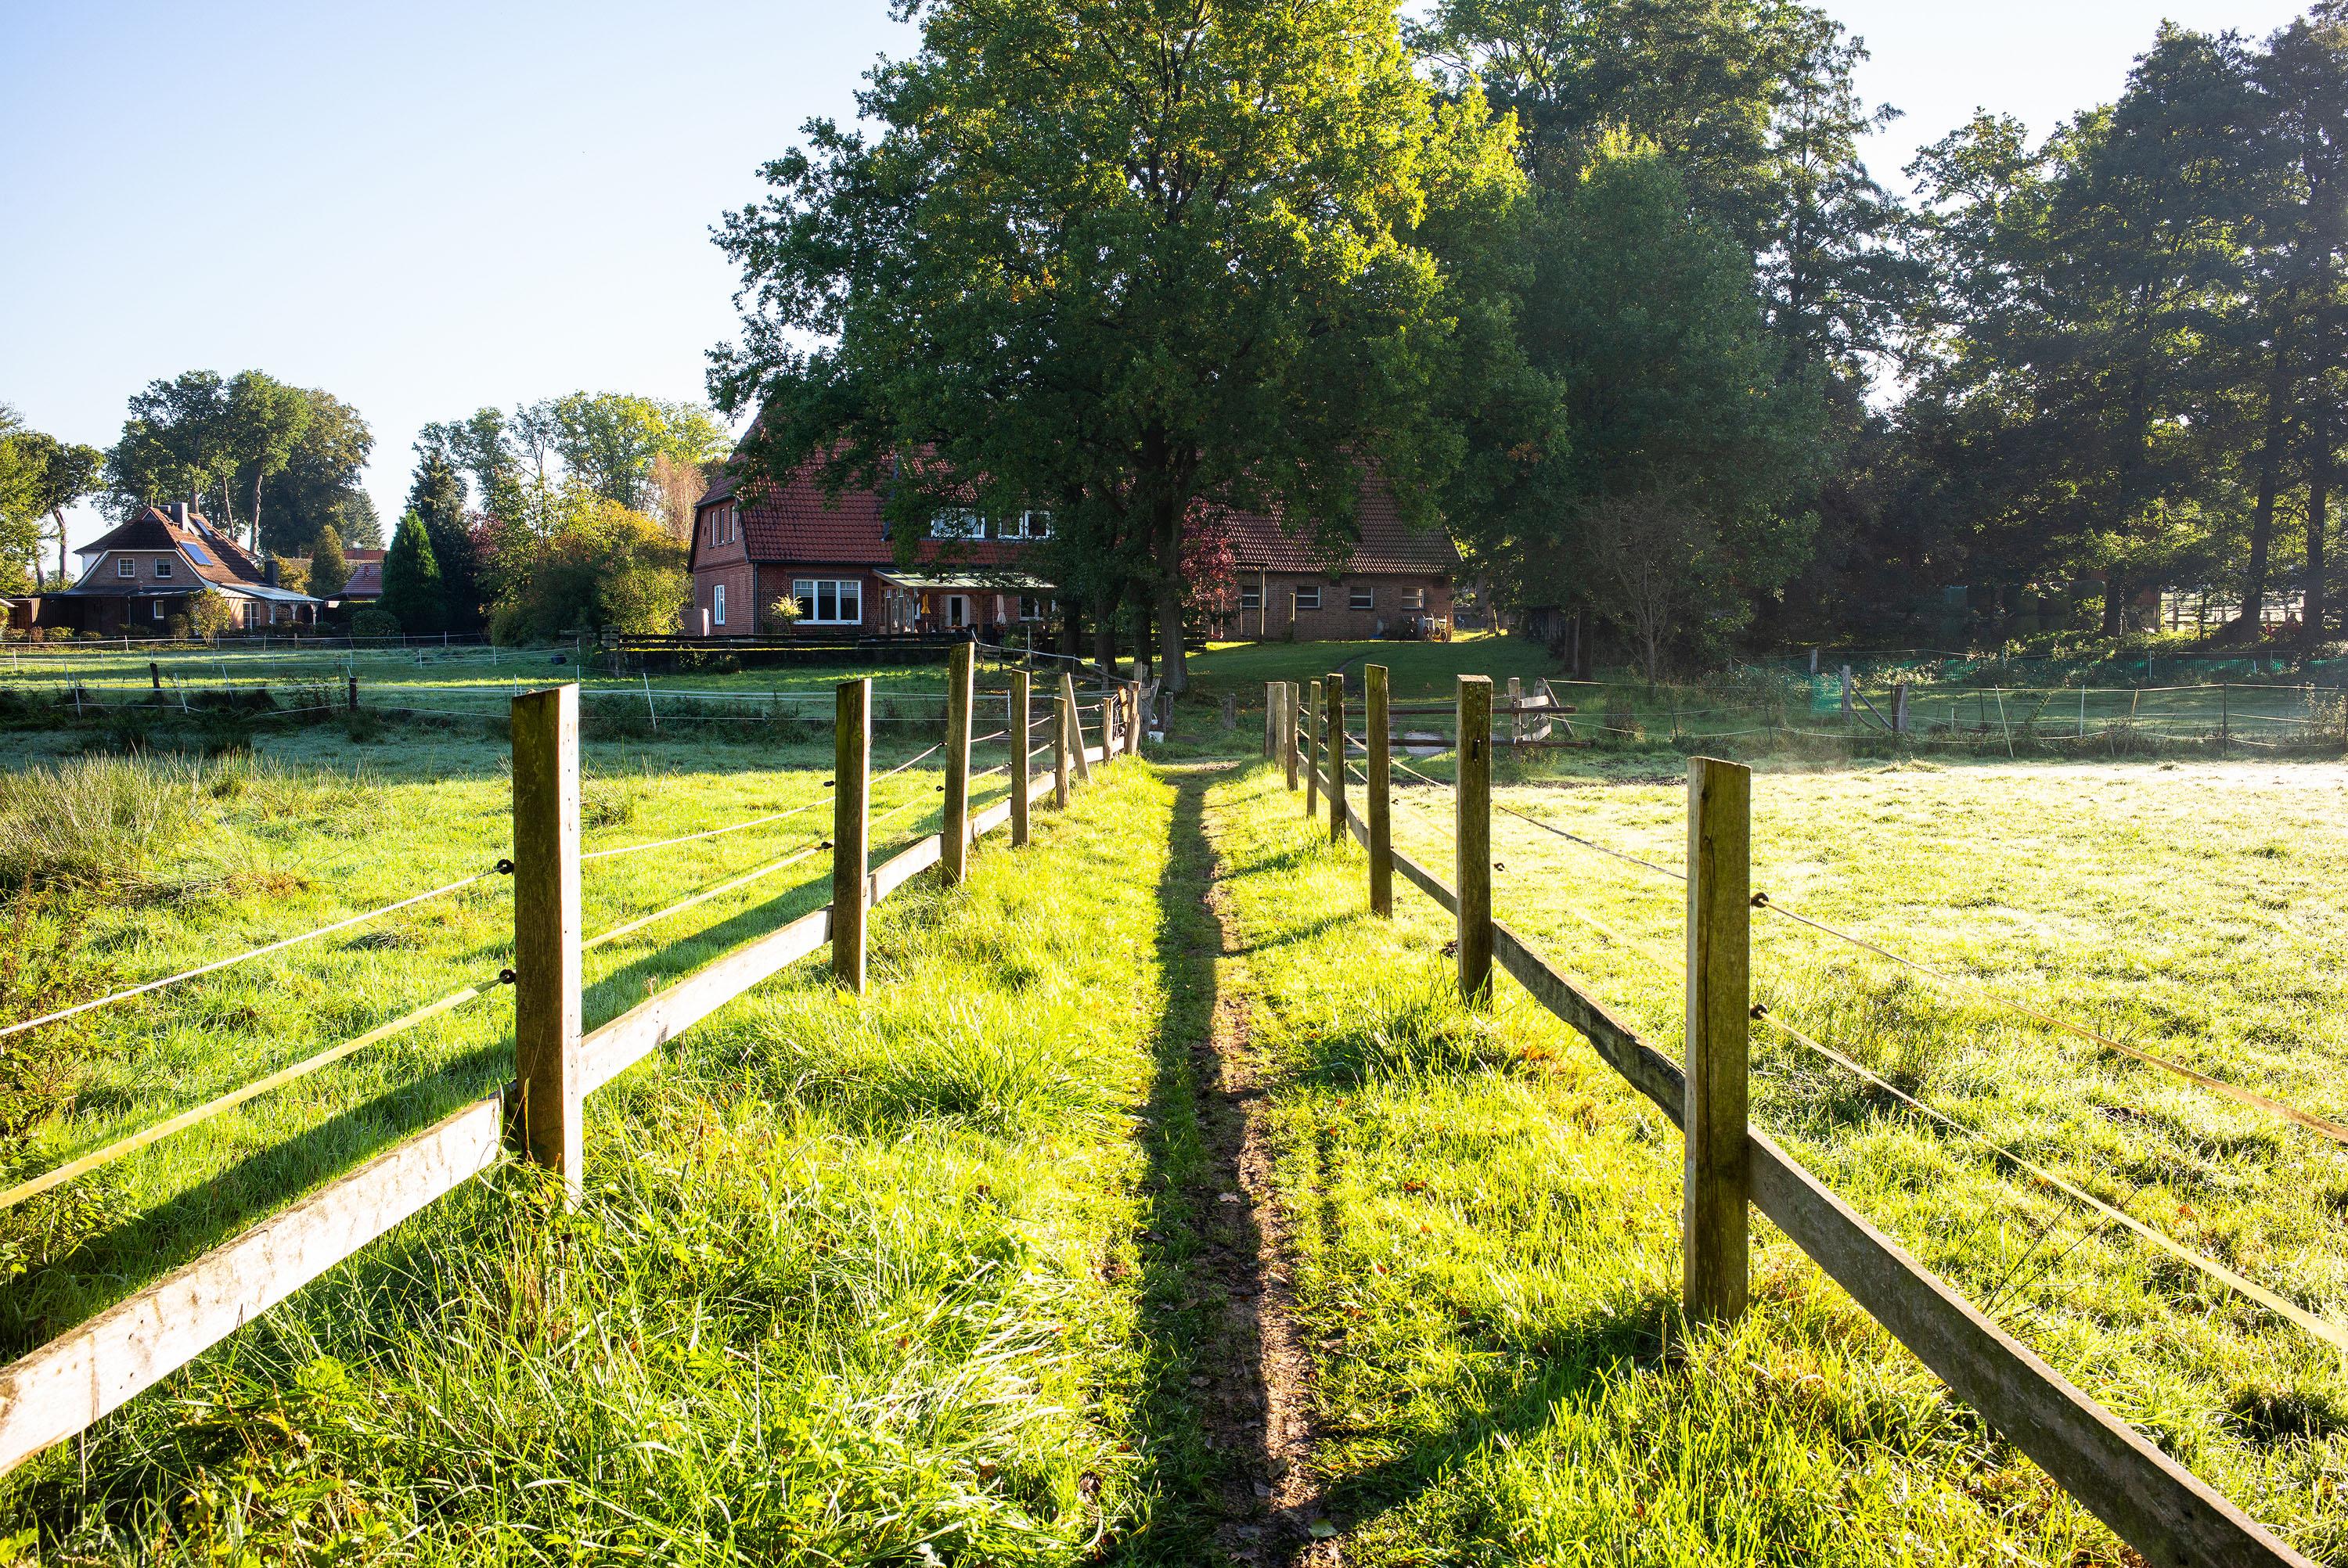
[[125, 567], [1413, 598], [959, 523], [1361, 599], [1308, 595], [810, 592], [1030, 608], [159, 610], [1250, 598], [1030, 524], [717, 604], [162, 566]]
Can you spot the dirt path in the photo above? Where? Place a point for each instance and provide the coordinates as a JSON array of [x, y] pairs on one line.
[[1252, 1392]]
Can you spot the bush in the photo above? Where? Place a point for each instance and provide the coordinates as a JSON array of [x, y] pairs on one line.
[[209, 612], [373, 620], [605, 568]]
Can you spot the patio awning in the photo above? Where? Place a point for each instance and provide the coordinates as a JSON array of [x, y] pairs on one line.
[[972, 581]]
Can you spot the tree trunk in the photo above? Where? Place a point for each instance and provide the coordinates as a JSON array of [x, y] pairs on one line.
[[59, 513], [2254, 579], [256, 516], [1173, 666], [2319, 497], [2115, 602], [1104, 632], [1142, 621]]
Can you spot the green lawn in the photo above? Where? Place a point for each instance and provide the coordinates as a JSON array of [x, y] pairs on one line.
[[998, 1263]]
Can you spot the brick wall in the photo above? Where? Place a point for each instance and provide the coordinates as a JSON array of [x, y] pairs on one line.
[[1337, 620]]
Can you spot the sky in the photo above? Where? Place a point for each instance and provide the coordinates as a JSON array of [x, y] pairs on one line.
[[429, 206]]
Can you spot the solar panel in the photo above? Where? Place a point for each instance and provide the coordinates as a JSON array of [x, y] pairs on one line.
[[195, 553]]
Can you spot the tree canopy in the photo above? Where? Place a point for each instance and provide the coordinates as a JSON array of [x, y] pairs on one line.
[[1122, 261]]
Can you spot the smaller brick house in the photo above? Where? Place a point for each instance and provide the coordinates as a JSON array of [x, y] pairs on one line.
[[835, 559], [138, 576], [1397, 582]]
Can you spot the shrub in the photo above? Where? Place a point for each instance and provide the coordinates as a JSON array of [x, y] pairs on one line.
[[209, 612], [605, 568], [373, 620]]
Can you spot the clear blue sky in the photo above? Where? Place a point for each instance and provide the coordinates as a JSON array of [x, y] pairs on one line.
[[424, 207]]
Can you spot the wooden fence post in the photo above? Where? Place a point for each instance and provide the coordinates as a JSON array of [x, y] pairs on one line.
[[852, 828], [1019, 739], [1335, 705], [1077, 730], [1288, 718], [1312, 760], [1271, 718], [355, 694], [1377, 806], [954, 864], [1063, 732], [1717, 1183], [1899, 709], [1472, 836], [547, 969], [1134, 719]]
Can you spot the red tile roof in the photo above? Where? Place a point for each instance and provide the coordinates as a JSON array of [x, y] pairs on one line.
[[797, 522], [1386, 544], [149, 530], [365, 581]]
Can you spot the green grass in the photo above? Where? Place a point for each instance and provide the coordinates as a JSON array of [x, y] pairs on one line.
[[1417, 670], [1490, 1218], [215, 857], [932, 1276], [839, 1292]]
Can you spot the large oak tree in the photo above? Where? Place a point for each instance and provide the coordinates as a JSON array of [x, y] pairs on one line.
[[1124, 259]]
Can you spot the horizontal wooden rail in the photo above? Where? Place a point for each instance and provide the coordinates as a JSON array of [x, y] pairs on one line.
[[60, 1389], [51, 1393], [2149, 1500]]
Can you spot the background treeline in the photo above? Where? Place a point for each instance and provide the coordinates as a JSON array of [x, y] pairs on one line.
[[2072, 371], [570, 512], [1606, 284]]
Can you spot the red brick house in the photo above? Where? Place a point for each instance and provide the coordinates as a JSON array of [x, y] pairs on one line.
[[835, 559], [138, 576], [1395, 582]]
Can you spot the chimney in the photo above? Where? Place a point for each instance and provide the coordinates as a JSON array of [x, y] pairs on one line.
[[179, 514], [270, 573]]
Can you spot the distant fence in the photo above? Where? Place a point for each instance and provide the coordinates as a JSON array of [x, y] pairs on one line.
[[2149, 1500], [59, 1389]]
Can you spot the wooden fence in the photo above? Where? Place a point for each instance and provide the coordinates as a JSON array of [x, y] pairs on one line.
[[2150, 1501], [59, 1389]]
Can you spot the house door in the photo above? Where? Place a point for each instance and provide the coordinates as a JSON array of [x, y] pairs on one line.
[[957, 611]]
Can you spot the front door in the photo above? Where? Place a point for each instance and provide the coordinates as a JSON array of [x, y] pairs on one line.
[[957, 611]]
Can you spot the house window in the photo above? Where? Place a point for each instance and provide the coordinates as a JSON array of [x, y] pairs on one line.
[[1309, 598], [162, 568], [1362, 598], [1030, 608], [159, 610], [1026, 525], [717, 604], [1251, 597], [828, 602], [1413, 598], [125, 567], [960, 524]]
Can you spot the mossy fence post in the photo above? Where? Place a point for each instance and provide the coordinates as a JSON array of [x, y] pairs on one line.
[[1064, 729], [1019, 775], [852, 828], [1271, 718], [1377, 805], [1313, 749], [1333, 704], [1076, 729], [1472, 836], [1718, 1180], [954, 863], [547, 963], [1288, 706]]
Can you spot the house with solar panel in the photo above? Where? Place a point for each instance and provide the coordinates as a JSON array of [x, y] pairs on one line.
[[139, 578]]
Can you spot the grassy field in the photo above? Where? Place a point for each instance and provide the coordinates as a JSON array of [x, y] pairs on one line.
[[1162, 1207]]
